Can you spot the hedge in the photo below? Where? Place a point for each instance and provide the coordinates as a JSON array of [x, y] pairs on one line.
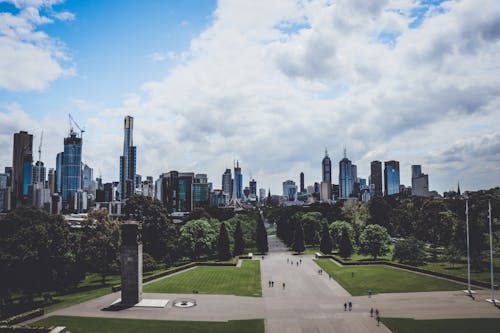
[[24, 329], [22, 317]]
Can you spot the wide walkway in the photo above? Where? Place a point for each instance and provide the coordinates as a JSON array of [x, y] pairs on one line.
[[309, 302]]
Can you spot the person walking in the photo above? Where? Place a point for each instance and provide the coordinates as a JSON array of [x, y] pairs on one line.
[[297, 264], [301, 261], [350, 305], [287, 260], [376, 312], [269, 283], [378, 320], [371, 312], [272, 284], [345, 306], [283, 285]]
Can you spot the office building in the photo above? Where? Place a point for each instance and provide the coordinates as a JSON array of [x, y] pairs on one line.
[[87, 179], [326, 167], [345, 177], [4, 189], [128, 160], [290, 190], [376, 177], [391, 177], [22, 173], [302, 188], [227, 183], [52, 180], [237, 182], [201, 191], [419, 182], [38, 173], [59, 172], [176, 191], [71, 170], [252, 185], [262, 194]]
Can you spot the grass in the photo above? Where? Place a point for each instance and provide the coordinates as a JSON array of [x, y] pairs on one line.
[[240, 281], [383, 279], [460, 270], [400, 325], [111, 325]]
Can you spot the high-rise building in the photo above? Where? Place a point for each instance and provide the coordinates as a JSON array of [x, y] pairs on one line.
[[376, 177], [391, 177], [52, 181], [87, 179], [59, 171], [71, 170], [262, 194], [326, 183], [253, 187], [302, 188], [238, 182], [22, 173], [201, 191], [290, 190], [38, 173], [419, 182], [3, 192], [345, 177], [128, 160], [227, 183], [176, 191]]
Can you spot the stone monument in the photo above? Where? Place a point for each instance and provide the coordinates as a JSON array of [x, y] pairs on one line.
[[131, 263]]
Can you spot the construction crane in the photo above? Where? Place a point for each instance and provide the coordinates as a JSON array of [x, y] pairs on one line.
[[40, 147], [73, 121]]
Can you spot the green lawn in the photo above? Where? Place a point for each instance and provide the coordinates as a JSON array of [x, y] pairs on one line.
[[108, 325], [460, 270], [400, 325], [240, 281], [383, 279]]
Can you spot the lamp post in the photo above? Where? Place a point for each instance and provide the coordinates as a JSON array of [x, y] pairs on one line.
[[468, 291], [492, 299]]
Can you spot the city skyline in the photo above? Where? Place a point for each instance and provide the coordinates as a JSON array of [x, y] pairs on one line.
[[219, 87]]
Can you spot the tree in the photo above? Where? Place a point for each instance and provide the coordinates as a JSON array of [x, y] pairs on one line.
[[148, 262], [311, 222], [410, 251], [345, 245], [338, 228], [325, 245], [373, 240], [239, 242], [160, 236], [100, 244], [298, 242], [262, 246], [380, 212], [197, 238], [453, 254], [223, 251]]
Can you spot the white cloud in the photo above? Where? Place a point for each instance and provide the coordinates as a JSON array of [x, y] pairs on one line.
[[29, 58]]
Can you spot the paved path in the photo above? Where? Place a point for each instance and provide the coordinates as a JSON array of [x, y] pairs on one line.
[[309, 303]]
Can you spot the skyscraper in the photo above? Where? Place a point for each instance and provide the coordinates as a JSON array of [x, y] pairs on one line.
[[128, 160], [22, 160], [326, 183], [290, 189], [391, 177], [302, 188], [345, 177], [52, 180], [376, 177], [253, 187], [71, 170], [59, 171], [227, 184], [200, 190], [419, 181], [38, 173], [238, 182], [87, 179]]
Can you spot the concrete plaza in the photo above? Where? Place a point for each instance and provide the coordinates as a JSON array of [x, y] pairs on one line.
[[310, 302]]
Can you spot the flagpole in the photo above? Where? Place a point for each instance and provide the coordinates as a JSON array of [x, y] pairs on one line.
[[492, 300]]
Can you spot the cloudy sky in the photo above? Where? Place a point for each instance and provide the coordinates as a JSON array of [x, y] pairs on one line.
[[269, 83]]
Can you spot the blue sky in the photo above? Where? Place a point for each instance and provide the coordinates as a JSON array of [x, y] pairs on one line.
[[270, 83]]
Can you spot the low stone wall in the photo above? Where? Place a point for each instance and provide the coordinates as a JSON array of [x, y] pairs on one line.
[[407, 267]]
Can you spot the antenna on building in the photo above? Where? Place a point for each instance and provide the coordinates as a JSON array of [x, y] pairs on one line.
[[345, 152], [40, 147], [326, 151]]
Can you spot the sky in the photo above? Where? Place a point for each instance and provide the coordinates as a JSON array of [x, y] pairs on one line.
[[268, 83]]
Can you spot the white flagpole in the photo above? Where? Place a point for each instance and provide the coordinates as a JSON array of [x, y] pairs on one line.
[[468, 251], [492, 300]]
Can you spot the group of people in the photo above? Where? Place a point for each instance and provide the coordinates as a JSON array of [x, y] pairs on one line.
[[377, 315], [271, 284], [298, 262], [350, 306]]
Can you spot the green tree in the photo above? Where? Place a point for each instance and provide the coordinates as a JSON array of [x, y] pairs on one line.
[[338, 228], [239, 242], [298, 243], [223, 250], [380, 212], [262, 245], [197, 237], [325, 245], [160, 236], [100, 243], [345, 245], [410, 251], [373, 240], [453, 254], [311, 222], [148, 262]]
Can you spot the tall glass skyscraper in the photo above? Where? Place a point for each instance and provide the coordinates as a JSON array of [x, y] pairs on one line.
[[72, 170], [345, 177], [59, 171], [227, 184], [238, 182], [376, 177], [327, 168], [128, 160], [391, 177]]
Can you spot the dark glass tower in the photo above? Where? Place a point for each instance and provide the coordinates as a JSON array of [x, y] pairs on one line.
[[327, 168], [128, 160], [238, 181], [72, 170], [391, 177], [345, 177], [22, 159], [227, 185], [302, 189], [376, 176]]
